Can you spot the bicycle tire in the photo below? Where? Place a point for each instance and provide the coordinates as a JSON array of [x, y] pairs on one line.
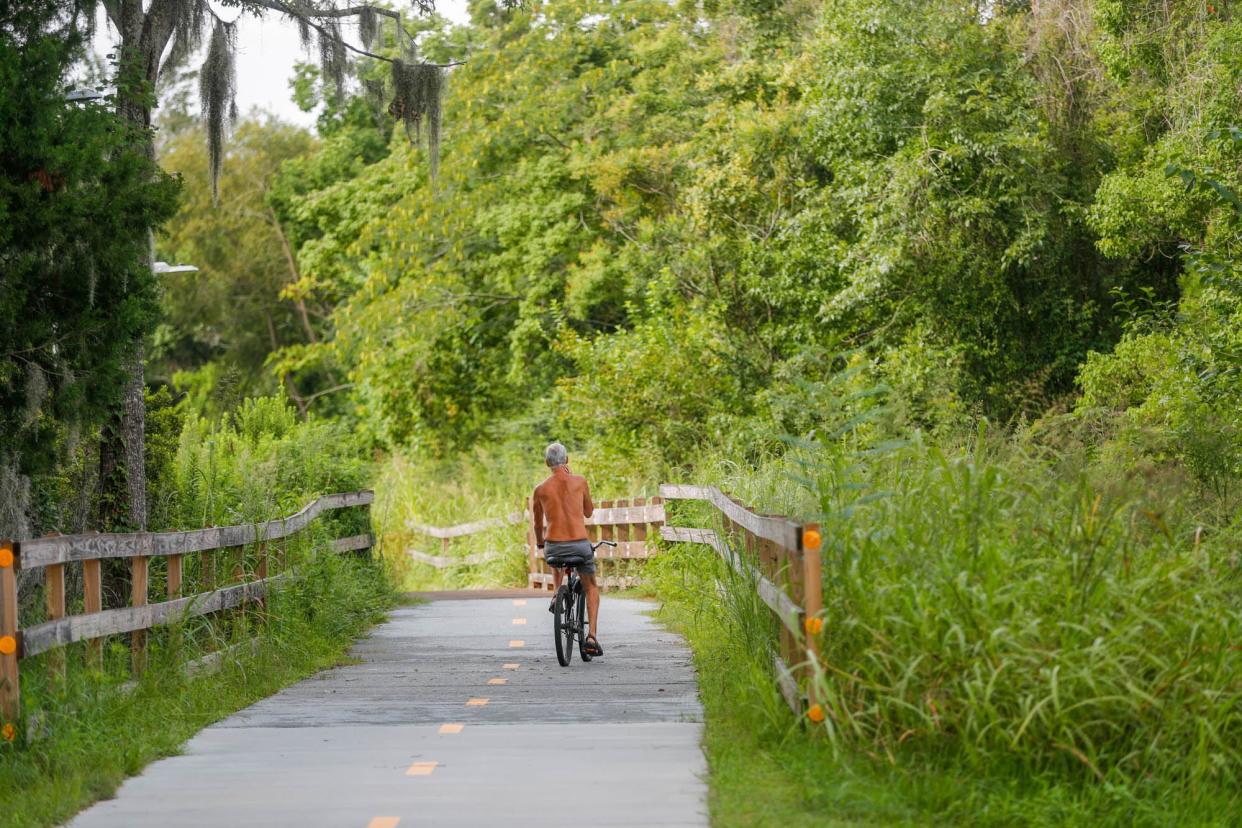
[[582, 620], [562, 627]]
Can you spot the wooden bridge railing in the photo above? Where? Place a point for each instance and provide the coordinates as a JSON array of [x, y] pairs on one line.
[[52, 554], [627, 522], [447, 533], [783, 558]]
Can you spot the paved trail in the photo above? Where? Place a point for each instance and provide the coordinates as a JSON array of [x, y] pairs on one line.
[[457, 715]]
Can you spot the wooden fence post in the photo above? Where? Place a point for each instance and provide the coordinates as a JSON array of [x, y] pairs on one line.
[[813, 599], [638, 532], [54, 599], [533, 563], [175, 574], [10, 687], [92, 601], [140, 569]]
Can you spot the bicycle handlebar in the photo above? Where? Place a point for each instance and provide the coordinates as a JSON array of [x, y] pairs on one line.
[[595, 546]]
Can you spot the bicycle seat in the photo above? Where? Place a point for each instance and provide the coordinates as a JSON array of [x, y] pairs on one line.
[[562, 561]]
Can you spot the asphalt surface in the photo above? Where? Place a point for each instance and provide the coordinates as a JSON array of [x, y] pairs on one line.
[[454, 715]]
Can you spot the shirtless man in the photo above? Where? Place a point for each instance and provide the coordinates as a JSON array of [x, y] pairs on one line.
[[563, 503]]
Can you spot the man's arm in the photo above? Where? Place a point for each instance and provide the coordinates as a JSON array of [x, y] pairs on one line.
[[588, 508], [536, 513]]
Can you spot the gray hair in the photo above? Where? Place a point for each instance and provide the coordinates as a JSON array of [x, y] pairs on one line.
[[555, 455]]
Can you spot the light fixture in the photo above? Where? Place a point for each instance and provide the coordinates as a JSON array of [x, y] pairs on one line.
[[83, 93], [165, 267]]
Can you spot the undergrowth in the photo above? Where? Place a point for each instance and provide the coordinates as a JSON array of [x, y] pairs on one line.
[[766, 768]]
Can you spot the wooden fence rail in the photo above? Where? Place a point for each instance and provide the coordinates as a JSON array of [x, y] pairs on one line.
[[52, 554], [783, 559], [625, 522]]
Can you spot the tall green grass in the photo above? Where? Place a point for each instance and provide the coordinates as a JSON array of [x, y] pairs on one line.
[[1015, 605], [1015, 632], [897, 637]]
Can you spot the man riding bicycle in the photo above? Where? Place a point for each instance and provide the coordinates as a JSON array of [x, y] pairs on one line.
[[563, 501]]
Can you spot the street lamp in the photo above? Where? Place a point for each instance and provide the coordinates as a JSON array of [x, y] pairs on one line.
[[165, 267], [83, 94]]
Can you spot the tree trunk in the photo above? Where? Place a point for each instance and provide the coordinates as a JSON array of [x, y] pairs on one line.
[[122, 451], [134, 435]]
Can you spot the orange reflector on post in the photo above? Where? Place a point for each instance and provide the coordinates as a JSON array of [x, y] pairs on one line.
[[8, 733], [815, 713], [814, 626], [811, 538], [8, 645], [6, 556]]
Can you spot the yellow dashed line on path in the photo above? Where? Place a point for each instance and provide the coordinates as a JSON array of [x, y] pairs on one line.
[[519, 621], [511, 666], [421, 769], [497, 681], [476, 702], [384, 822], [452, 727], [517, 643]]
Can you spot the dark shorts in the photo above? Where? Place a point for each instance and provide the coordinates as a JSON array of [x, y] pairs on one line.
[[556, 553]]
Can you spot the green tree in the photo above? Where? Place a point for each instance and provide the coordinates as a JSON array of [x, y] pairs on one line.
[[76, 196], [163, 34], [231, 313]]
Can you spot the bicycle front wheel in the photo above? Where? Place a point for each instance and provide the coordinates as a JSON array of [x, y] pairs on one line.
[[563, 626], [582, 620]]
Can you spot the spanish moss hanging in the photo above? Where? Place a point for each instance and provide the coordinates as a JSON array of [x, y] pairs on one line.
[[217, 88], [416, 103]]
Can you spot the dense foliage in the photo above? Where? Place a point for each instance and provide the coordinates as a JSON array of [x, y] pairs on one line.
[[220, 323], [977, 196]]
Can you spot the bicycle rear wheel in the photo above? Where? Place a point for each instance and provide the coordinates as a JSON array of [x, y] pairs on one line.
[[563, 626]]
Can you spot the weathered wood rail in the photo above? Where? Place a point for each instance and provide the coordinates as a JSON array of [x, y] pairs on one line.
[[53, 554], [628, 522], [782, 557]]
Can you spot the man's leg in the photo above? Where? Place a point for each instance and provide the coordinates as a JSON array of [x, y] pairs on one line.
[[558, 575], [592, 590]]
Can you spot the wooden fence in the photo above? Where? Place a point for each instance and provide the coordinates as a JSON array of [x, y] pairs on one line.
[[52, 554], [446, 534], [782, 558], [628, 522]]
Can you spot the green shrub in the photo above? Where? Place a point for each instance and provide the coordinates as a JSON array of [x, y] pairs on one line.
[[260, 462], [661, 389]]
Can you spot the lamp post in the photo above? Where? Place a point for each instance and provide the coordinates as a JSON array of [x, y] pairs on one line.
[[83, 94], [165, 267]]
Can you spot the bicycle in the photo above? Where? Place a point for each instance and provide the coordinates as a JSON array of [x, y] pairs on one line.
[[569, 610]]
